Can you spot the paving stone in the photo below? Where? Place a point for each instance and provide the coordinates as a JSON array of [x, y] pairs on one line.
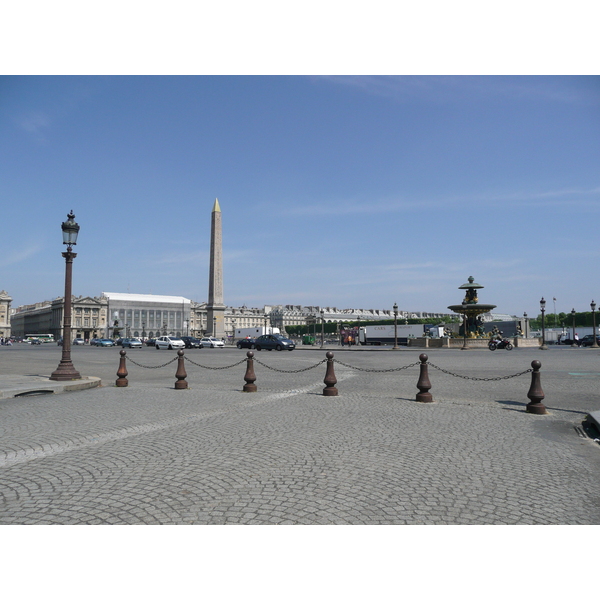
[[143, 455]]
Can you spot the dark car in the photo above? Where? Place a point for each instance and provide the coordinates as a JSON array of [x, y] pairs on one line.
[[274, 341], [588, 340], [150, 342], [191, 342], [246, 343]]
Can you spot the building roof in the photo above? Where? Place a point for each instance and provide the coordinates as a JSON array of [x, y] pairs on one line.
[[150, 298]]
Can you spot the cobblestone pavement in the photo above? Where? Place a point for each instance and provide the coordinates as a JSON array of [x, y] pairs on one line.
[[149, 454]]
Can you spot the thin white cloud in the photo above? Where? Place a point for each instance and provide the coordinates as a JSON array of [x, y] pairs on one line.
[[567, 197], [447, 88], [22, 255], [35, 124]]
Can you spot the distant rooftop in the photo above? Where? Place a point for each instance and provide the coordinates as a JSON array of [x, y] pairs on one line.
[[150, 298]]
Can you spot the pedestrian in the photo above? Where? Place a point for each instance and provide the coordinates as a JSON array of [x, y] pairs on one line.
[[577, 340]]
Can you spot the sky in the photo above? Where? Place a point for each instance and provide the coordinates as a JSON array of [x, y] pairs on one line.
[[345, 191]]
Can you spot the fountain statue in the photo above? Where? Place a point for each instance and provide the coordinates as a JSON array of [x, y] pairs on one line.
[[471, 310]]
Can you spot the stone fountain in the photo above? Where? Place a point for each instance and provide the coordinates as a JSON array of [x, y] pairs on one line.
[[471, 310]]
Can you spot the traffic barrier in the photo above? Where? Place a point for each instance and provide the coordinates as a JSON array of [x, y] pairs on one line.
[[181, 383], [536, 393], [424, 384], [249, 377], [122, 371], [330, 379]]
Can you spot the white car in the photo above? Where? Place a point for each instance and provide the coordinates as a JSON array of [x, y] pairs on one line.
[[211, 342], [167, 341]]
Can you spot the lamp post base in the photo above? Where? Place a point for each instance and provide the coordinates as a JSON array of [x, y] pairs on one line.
[[65, 372]]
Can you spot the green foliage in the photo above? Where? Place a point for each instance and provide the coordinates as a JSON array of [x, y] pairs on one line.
[[582, 319]]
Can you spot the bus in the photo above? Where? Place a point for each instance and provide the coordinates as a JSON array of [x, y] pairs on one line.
[[43, 337]]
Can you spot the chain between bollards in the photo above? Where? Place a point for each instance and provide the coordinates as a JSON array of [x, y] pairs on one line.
[[424, 384], [249, 377], [181, 383], [330, 379], [536, 393], [122, 372]]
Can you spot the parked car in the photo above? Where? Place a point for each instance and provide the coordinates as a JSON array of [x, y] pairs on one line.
[[246, 343], [169, 342], [274, 341], [36, 342], [150, 342], [588, 340], [106, 343], [78, 342], [191, 342], [211, 342], [131, 343]]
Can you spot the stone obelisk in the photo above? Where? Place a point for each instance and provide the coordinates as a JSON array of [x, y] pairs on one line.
[[215, 307]]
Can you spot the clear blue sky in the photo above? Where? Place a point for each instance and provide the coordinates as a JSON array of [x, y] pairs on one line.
[[343, 191]]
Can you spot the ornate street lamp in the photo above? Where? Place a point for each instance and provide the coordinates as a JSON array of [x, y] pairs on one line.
[[573, 313], [593, 307], [395, 326], [543, 309], [322, 327], [65, 370], [233, 322]]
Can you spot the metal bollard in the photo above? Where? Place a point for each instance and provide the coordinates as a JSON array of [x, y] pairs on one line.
[[122, 372], [330, 379], [424, 384], [536, 393], [249, 377], [181, 383]]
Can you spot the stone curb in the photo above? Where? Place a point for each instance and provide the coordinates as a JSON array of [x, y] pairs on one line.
[[12, 386]]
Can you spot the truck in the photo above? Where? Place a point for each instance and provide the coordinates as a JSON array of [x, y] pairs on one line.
[[375, 335], [254, 332]]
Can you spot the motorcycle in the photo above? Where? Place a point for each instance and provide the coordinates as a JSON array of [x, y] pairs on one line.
[[500, 344]]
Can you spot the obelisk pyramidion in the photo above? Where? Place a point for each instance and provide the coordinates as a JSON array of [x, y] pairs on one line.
[[215, 306]]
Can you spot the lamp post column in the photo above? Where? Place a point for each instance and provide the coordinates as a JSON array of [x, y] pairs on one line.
[[395, 326], [322, 328], [593, 307], [573, 313], [65, 370], [543, 309]]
